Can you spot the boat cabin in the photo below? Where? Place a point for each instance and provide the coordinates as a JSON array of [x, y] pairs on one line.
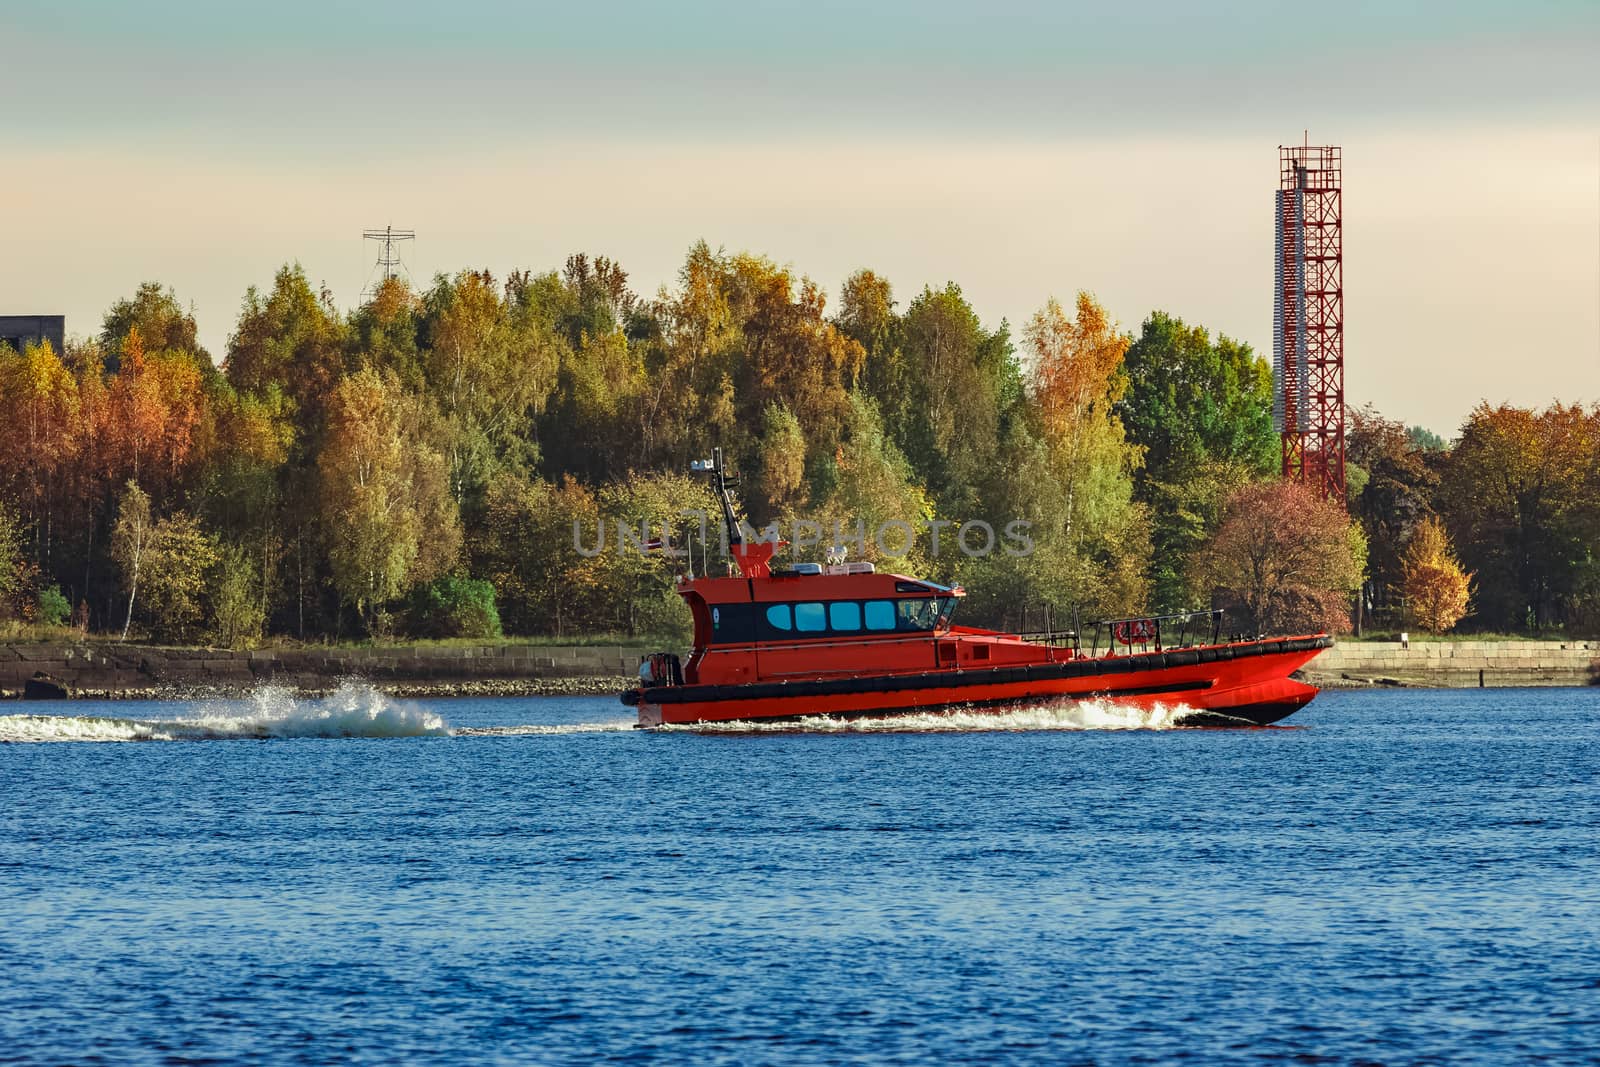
[[813, 622]]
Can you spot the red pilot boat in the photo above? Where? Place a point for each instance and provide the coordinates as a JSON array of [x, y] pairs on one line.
[[846, 641]]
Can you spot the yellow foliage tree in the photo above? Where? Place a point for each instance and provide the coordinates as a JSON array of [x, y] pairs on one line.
[[1438, 591]]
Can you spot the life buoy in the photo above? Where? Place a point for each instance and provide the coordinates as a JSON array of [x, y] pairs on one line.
[[1134, 631]]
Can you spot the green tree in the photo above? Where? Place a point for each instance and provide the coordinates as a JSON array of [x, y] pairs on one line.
[[1201, 410], [947, 414], [453, 606], [13, 563], [639, 586], [238, 606], [783, 460], [863, 487], [178, 561], [1425, 439], [384, 334], [53, 609]]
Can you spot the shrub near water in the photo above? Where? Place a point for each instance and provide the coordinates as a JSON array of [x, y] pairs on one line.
[[453, 607], [53, 607]]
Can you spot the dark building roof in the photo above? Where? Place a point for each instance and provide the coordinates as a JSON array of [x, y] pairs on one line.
[[19, 331]]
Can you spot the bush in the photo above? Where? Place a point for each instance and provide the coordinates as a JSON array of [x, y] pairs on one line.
[[453, 607], [53, 607]]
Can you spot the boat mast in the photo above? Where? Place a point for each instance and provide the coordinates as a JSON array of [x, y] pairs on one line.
[[752, 558], [720, 482]]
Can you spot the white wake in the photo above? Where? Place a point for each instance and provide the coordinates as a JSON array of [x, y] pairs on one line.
[[1074, 715], [544, 730], [354, 710], [358, 710]]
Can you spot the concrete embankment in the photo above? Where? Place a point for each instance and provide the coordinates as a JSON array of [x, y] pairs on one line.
[[1456, 664], [109, 670]]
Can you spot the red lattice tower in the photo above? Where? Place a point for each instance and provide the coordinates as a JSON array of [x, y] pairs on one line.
[[1308, 318]]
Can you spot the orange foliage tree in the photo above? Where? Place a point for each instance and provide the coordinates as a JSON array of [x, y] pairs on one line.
[[1438, 591], [38, 410], [155, 405], [1519, 494], [1283, 560]]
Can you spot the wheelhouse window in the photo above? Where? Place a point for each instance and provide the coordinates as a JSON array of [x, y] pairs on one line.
[[916, 613], [818, 617], [879, 614], [810, 617]]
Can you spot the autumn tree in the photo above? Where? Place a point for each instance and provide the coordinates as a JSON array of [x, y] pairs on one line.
[[1518, 495], [1093, 541], [290, 337], [1396, 494], [38, 411], [155, 406], [1283, 560], [130, 543], [528, 545], [385, 333], [162, 324], [395, 523], [489, 363], [867, 316], [1438, 591], [783, 459]]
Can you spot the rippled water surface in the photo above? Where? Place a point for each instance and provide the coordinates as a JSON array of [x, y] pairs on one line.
[[1400, 877]]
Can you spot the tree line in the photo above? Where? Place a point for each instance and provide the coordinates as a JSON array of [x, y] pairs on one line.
[[418, 466]]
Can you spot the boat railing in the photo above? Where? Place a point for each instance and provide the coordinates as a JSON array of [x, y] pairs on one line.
[[1053, 638], [1156, 633]]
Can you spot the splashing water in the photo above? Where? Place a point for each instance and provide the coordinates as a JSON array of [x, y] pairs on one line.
[[1075, 715], [355, 709], [358, 710], [539, 730]]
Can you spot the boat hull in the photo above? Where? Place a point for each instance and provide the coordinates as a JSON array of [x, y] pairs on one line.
[[1245, 683]]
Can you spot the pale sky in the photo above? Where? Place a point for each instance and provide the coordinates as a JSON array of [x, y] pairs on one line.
[[1021, 150]]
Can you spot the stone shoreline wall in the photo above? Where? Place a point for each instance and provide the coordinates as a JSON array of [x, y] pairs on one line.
[[107, 669], [1457, 664]]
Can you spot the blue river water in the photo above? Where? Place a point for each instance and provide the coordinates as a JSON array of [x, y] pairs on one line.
[[1392, 877]]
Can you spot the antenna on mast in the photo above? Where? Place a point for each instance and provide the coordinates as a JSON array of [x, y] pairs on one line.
[[388, 258]]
